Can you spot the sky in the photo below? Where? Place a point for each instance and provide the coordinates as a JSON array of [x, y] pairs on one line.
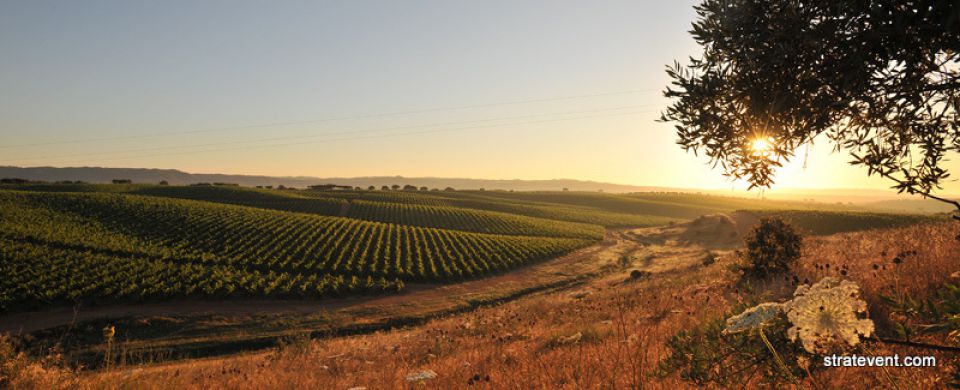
[[484, 89]]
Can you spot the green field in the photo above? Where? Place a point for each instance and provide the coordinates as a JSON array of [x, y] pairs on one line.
[[66, 243]]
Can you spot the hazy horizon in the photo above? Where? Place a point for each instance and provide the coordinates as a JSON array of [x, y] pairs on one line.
[[493, 90], [823, 194]]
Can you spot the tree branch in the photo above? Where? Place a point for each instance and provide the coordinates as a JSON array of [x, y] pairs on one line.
[[927, 194], [936, 347]]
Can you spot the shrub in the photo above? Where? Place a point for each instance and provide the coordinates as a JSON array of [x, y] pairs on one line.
[[772, 247], [638, 274], [710, 258]]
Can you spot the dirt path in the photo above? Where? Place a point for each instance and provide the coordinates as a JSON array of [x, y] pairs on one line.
[[418, 299]]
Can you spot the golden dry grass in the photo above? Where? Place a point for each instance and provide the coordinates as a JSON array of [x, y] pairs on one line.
[[608, 334]]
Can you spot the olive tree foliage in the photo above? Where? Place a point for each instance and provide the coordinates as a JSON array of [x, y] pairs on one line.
[[878, 79]]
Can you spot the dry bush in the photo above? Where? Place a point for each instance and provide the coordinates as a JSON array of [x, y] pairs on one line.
[[18, 371]]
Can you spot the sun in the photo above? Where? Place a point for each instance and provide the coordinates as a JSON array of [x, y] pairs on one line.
[[760, 145]]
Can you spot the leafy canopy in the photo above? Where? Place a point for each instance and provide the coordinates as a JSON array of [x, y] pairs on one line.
[[880, 79]]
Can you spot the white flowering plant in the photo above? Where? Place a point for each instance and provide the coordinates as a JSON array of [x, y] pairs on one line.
[[729, 353], [773, 339], [828, 316]]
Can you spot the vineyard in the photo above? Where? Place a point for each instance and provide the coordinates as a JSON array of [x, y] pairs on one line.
[[819, 222], [339, 203], [469, 220], [65, 243], [63, 247]]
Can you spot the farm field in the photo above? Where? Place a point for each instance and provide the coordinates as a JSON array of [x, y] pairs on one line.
[[64, 247], [606, 329], [367, 195], [103, 244], [277, 258]]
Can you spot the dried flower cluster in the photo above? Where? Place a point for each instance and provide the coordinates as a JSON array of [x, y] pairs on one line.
[[824, 316], [829, 313], [753, 317]]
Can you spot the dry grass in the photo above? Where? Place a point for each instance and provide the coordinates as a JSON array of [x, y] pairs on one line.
[[611, 338], [907, 262]]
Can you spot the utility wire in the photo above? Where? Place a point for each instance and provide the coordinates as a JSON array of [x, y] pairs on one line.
[[331, 119], [348, 132], [369, 136]]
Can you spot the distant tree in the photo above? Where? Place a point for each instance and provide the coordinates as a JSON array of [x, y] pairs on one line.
[[879, 80], [565, 189], [434, 189], [163, 182], [482, 189], [268, 187], [449, 189], [281, 187], [122, 181], [424, 189], [385, 188], [14, 180], [409, 188], [357, 188], [395, 187], [371, 188]]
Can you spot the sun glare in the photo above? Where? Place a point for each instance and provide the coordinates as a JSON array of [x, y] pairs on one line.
[[760, 145]]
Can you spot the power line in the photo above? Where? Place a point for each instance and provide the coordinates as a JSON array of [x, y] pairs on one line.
[[331, 119], [349, 132], [371, 137]]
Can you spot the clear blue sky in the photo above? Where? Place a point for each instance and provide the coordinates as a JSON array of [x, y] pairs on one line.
[[153, 81]]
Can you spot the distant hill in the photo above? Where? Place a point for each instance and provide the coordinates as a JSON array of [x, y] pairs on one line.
[[176, 177], [877, 200]]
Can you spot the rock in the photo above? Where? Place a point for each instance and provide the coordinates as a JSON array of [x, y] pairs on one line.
[[572, 338], [421, 376]]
